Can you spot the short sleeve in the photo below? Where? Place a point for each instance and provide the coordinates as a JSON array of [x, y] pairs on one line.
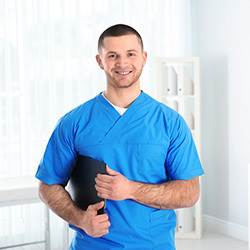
[[59, 157], [182, 160]]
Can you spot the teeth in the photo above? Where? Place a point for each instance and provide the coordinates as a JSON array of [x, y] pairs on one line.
[[124, 73]]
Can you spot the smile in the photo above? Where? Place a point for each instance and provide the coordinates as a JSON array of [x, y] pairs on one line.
[[123, 72]]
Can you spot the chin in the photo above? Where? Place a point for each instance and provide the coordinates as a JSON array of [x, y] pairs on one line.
[[125, 86]]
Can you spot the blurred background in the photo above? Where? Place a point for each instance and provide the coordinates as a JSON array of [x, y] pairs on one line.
[[48, 67]]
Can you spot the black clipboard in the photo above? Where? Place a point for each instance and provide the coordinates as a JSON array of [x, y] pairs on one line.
[[81, 186]]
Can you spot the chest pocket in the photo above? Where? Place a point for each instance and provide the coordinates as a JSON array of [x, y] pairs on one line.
[[151, 164]]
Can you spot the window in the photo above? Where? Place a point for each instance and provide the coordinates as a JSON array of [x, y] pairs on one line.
[[47, 63]]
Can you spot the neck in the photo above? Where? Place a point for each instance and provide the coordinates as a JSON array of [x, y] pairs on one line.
[[122, 97]]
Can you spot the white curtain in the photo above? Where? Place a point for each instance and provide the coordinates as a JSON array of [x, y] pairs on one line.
[[47, 62]]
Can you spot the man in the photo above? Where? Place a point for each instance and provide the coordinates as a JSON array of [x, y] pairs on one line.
[[152, 163]]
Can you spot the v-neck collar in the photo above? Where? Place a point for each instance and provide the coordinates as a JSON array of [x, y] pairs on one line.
[[120, 110], [109, 107], [118, 120]]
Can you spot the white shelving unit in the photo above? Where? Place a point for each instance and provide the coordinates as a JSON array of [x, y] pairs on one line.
[[179, 88]]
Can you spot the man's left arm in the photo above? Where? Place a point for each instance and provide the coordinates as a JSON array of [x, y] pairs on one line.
[[168, 195]]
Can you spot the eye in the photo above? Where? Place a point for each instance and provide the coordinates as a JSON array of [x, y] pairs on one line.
[[131, 54], [111, 56]]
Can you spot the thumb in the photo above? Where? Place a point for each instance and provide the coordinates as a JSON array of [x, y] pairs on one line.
[[110, 171], [96, 207]]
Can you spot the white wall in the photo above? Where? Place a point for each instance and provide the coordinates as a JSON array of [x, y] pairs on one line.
[[222, 39]]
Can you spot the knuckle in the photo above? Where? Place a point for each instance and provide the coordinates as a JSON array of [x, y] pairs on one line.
[[90, 207], [115, 181]]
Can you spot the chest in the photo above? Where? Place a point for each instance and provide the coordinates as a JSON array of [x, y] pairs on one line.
[[136, 147]]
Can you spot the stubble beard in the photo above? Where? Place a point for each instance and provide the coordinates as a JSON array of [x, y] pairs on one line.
[[116, 83]]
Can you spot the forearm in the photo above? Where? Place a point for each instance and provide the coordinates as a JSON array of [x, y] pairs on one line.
[[168, 195], [60, 202]]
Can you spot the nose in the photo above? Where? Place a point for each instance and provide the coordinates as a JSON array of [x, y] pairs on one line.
[[122, 61]]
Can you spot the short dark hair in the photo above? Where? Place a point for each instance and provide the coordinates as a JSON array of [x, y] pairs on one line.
[[118, 30]]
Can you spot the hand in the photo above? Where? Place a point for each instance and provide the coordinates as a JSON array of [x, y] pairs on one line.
[[113, 186], [95, 225]]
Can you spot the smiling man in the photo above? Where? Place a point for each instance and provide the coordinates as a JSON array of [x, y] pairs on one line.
[[122, 58], [152, 162]]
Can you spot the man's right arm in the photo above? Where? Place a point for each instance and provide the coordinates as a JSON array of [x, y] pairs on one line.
[[59, 201]]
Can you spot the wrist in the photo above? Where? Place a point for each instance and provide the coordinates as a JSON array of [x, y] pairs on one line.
[[134, 190], [77, 216]]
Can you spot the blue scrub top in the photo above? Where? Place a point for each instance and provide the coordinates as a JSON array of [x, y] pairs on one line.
[[150, 143]]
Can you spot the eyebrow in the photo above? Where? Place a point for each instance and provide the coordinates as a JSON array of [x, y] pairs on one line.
[[115, 52], [132, 50], [111, 52]]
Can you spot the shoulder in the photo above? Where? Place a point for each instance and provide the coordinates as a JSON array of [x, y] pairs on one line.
[[163, 114], [80, 113], [158, 107]]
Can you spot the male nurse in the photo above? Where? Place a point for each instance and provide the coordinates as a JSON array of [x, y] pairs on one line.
[[151, 160]]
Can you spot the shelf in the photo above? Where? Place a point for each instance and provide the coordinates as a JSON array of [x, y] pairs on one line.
[[179, 88]]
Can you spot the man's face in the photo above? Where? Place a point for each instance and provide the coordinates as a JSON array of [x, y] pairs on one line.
[[122, 59]]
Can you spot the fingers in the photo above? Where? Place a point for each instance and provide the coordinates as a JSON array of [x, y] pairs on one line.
[[104, 178], [100, 230], [113, 186], [110, 171], [96, 225], [96, 206], [103, 193], [103, 186]]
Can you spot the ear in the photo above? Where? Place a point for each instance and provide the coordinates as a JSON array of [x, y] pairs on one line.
[[145, 55], [99, 61]]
